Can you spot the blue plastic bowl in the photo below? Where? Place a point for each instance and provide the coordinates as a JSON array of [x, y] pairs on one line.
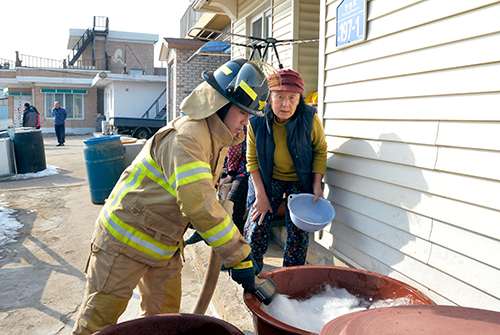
[[308, 216]]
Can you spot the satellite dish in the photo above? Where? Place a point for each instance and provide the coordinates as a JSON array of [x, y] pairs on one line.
[[118, 55]]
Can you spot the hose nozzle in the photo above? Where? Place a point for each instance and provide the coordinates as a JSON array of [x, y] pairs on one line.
[[265, 290]]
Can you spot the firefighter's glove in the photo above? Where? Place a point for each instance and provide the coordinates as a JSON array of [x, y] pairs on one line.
[[195, 238], [244, 274]]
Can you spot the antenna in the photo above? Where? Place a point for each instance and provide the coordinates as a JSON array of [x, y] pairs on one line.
[[117, 57]]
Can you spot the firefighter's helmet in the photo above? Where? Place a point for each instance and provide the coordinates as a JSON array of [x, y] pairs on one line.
[[242, 82]]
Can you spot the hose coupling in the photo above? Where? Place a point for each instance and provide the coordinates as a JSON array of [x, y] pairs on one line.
[[265, 290]]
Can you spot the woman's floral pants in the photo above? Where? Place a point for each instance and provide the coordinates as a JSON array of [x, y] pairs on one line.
[[258, 236]]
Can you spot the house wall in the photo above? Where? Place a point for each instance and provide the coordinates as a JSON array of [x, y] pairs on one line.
[[281, 28], [61, 79], [143, 52], [411, 118], [16, 100], [172, 107], [291, 19], [16, 107], [307, 53]]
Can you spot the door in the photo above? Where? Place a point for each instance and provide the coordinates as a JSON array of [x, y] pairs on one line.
[[19, 102]]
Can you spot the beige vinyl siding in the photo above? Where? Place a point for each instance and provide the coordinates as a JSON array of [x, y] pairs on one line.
[[282, 29], [307, 53], [290, 19], [413, 130], [246, 7], [239, 28]]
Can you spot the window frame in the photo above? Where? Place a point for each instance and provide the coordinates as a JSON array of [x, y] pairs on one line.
[[266, 26], [63, 96]]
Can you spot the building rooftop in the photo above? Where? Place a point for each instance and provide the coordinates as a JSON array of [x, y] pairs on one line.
[[75, 34]]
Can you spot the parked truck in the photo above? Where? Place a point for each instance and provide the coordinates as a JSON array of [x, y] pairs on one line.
[[136, 127], [133, 105]]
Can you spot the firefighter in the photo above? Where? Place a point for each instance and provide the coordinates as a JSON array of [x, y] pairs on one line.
[[138, 238]]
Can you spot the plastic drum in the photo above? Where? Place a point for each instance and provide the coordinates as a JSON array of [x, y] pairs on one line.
[[105, 162]]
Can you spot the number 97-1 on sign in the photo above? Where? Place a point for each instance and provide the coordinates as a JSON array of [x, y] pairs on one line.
[[351, 22]]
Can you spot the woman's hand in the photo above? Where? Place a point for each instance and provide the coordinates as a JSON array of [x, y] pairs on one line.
[[317, 190], [225, 180], [260, 208]]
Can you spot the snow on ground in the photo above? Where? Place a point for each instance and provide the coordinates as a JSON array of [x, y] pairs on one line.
[[9, 226], [49, 171]]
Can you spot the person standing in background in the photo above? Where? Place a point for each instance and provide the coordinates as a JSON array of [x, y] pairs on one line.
[[30, 116], [37, 126], [60, 115]]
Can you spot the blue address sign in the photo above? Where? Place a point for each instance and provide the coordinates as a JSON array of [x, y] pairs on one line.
[[351, 22]]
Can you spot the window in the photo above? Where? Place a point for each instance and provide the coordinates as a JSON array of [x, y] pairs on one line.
[[261, 26], [71, 100], [137, 72], [4, 108], [257, 28]]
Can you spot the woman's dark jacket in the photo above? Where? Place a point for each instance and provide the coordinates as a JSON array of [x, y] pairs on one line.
[[299, 143]]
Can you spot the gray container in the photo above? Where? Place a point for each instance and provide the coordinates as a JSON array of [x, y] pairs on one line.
[[6, 157], [132, 150]]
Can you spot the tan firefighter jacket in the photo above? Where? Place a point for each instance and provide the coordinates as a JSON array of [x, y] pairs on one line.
[[172, 183]]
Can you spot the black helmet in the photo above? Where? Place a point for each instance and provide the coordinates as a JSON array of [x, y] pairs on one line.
[[242, 82]]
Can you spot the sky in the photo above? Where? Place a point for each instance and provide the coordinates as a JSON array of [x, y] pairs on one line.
[[41, 28]]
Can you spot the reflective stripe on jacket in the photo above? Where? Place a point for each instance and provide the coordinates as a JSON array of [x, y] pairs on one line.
[[144, 167], [172, 183]]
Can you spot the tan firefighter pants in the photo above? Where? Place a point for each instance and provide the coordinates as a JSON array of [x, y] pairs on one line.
[[111, 280]]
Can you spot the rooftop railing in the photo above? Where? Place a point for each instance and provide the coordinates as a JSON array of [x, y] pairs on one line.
[[7, 64], [38, 62], [47, 63]]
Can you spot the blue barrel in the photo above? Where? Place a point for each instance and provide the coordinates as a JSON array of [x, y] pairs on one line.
[[105, 162]]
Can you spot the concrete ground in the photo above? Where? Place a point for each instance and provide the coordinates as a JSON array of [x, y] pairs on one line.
[[41, 274]]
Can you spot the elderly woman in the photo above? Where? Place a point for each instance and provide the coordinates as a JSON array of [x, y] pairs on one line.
[[286, 154]]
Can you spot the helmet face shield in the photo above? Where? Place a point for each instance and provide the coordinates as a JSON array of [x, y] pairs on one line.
[[244, 83]]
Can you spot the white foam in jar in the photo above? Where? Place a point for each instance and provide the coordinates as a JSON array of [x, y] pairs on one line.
[[313, 313]]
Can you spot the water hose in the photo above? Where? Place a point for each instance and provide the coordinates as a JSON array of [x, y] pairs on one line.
[[213, 270], [209, 283], [265, 290]]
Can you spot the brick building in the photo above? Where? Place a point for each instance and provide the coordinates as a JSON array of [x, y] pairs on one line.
[[40, 82], [41, 87], [133, 51]]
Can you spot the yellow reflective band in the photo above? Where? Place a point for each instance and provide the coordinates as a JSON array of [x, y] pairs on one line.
[[227, 71], [261, 104], [132, 182], [221, 233], [248, 90], [136, 239], [126, 233], [156, 174], [243, 265], [189, 173]]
